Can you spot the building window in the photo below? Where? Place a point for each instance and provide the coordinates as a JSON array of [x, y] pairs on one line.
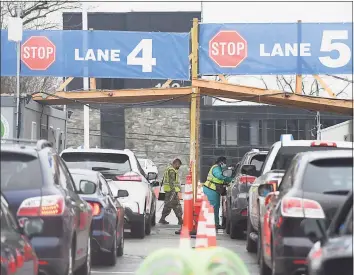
[[270, 131], [292, 128], [228, 133], [207, 132], [244, 137], [280, 128]]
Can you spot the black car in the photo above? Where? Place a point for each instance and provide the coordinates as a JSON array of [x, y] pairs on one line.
[[236, 200], [17, 254], [38, 186], [107, 228], [314, 186], [333, 250]]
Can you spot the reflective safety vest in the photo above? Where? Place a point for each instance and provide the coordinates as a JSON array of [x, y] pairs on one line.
[[166, 180], [211, 180]]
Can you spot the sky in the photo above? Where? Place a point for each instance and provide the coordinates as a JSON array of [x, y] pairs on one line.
[[246, 12]]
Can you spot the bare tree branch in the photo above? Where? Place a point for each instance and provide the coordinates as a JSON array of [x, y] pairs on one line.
[[343, 90]]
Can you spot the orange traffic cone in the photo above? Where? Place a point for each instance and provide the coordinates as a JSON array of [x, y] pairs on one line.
[[210, 226], [184, 241], [188, 204], [202, 236]]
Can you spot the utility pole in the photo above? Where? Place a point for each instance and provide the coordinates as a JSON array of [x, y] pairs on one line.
[[86, 79], [18, 67]]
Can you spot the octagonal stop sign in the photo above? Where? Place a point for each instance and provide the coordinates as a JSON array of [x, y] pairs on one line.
[[228, 49], [38, 53]]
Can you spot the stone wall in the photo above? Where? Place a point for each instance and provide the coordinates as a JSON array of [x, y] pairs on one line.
[[75, 128], [159, 134]]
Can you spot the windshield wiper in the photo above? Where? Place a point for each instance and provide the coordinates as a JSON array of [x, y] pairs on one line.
[[337, 192]]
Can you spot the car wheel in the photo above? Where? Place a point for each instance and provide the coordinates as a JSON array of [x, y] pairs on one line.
[[148, 224], [251, 245], [235, 231], [138, 229], [112, 255], [120, 248], [263, 268], [85, 269]]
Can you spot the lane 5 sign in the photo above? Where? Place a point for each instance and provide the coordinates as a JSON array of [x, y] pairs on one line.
[[276, 48]]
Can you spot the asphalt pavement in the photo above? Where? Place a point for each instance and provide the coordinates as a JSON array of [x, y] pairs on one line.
[[136, 250]]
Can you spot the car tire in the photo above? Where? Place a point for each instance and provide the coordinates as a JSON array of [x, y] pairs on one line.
[[111, 256], [138, 229], [120, 248], [235, 231], [85, 269], [148, 225], [251, 246]]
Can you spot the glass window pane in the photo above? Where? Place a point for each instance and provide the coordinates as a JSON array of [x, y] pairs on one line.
[[244, 132], [280, 128]]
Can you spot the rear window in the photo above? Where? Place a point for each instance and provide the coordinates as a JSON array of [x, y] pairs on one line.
[[329, 175], [117, 163], [287, 153], [19, 172]]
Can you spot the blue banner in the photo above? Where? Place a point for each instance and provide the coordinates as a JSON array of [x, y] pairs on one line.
[[289, 48], [100, 54]]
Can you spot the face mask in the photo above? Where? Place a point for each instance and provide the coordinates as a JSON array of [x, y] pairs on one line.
[[223, 165]]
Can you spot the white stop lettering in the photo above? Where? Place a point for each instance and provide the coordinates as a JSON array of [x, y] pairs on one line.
[[224, 48], [37, 52]]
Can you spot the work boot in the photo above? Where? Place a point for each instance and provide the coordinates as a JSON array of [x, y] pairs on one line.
[[163, 221]]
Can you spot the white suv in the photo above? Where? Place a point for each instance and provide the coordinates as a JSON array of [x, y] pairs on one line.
[[127, 180]]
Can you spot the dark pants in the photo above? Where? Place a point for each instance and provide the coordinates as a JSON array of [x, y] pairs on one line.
[[172, 203]]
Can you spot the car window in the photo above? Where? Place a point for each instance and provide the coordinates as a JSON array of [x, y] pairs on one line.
[[258, 161], [287, 181], [7, 219], [78, 178], [20, 172], [141, 170], [347, 228], [268, 156], [105, 186], [287, 153], [330, 175], [65, 178], [117, 163]]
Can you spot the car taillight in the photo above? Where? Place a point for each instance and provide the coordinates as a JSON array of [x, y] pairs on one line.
[[129, 178], [42, 206], [11, 267], [96, 208], [301, 208], [323, 144], [247, 179], [19, 259]]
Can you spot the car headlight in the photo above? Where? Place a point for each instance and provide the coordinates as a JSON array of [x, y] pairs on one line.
[[132, 205]]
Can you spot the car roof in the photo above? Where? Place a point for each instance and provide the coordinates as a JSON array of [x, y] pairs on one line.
[[307, 143], [327, 154], [85, 172], [19, 148], [97, 150]]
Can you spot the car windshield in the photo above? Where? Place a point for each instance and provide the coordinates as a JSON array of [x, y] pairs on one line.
[[287, 153], [19, 172], [329, 176], [258, 161], [119, 163]]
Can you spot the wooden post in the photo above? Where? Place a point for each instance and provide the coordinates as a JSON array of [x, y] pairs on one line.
[[298, 83], [195, 112], [92, 83]]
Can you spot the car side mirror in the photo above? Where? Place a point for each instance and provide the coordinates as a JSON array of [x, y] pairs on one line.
[[227, 172], [265, 189], [155, 183], [32, 227], [249, 169], [87, 187], [122, 194], [314, 229], [151, 176]]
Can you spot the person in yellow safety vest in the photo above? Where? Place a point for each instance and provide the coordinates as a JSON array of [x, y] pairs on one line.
[[215, 186], [172, 188]]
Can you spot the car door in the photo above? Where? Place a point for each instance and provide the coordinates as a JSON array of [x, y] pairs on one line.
[[110, 216], [149, 198], [81, 210]]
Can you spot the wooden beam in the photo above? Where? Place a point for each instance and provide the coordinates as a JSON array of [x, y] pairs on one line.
[[222, 78], [116, 96], [273, 97], [92, 83], [324, 86], [167, 83], [64, 84]]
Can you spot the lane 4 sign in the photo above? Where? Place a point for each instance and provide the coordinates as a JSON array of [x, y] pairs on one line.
[[275, 48]]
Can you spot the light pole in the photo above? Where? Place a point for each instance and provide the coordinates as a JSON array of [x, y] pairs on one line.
[[18, 66]]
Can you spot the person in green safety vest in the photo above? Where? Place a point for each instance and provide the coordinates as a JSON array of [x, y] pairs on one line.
[[172, 188], [215, 186]]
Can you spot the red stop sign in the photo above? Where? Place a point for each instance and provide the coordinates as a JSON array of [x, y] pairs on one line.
[[38, 53], [228, 49]]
